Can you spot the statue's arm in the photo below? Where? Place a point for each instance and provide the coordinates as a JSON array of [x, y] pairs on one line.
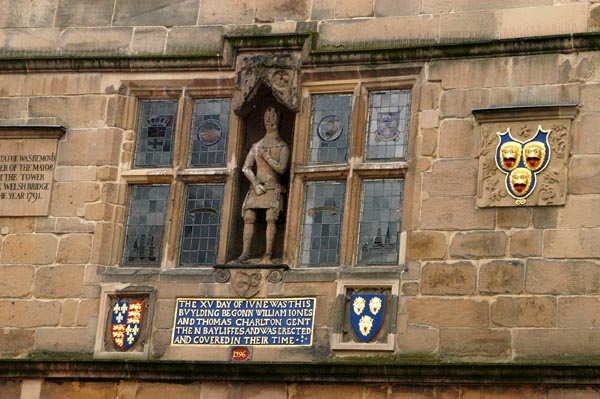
[[281, 165], [247, 171]]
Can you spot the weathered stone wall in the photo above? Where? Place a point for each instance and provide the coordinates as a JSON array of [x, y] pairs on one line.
[[45, 302], [167, 27], [493, 283], [58, 389], [502, 283]]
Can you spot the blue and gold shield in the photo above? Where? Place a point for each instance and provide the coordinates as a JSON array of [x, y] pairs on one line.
[[366, 314], [521, 161], [126, 323]]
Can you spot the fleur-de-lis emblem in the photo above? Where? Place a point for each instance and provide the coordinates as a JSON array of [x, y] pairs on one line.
[[125, 323]]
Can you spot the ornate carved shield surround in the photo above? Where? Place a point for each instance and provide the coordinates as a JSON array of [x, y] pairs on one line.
[[509, 140]]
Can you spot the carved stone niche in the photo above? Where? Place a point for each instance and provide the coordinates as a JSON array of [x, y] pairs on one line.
[[523, 156], [268, 84], [278, 71]]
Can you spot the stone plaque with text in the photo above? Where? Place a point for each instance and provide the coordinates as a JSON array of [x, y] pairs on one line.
[[26, 172], [224, 321]]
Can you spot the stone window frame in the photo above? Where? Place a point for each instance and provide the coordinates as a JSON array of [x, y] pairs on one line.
[[179, 175], [354, 172]]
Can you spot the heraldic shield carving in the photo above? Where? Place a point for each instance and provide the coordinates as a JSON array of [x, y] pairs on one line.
[[524, 155], [522, 161], [366, 314], [126, 323]]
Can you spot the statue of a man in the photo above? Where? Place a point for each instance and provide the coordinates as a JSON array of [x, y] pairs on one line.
[[271, 155]]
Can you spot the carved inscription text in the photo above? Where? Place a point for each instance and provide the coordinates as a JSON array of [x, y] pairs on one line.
[[26, 174]]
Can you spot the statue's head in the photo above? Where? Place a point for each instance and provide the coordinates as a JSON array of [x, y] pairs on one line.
[[272, 115]]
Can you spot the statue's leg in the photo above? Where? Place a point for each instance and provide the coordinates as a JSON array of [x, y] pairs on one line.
[[249, 219], [270, 236]]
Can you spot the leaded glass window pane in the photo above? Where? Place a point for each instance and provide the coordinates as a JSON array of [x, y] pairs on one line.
[[380, 221], [330, 127], [145, 224], [155, 133], [210, 131], [202, 219], [321, 229], [387, 125]]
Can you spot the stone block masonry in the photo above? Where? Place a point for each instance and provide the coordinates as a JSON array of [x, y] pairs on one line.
[[108, 25]]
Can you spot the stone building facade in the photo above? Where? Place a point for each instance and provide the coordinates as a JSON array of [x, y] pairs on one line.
[[124, 125]]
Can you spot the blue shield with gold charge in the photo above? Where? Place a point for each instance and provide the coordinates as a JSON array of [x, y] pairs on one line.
[[366, 314], [126, 323], [521, 161]]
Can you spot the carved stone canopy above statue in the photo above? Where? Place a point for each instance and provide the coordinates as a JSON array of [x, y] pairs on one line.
[[279, 72]]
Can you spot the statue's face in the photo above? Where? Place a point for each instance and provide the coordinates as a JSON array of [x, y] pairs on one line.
[[520, 179], [510, 152], [534, 155], [271, 118]]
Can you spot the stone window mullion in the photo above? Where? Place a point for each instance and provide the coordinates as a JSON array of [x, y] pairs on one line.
[[378, 109]]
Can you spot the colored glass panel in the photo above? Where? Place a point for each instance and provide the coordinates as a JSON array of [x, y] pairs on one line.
[[387, 125], [210, 132], [155, 133], [330, 128]]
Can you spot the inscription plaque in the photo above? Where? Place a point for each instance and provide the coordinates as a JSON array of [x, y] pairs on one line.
[[219, 321], [26, 172]]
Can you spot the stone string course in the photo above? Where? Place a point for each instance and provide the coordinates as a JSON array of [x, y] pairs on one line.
[[142, 27], [216, 389]]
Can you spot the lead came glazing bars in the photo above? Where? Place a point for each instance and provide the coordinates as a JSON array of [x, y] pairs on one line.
[[201, 224], [323, 211], [387, 125], [156, 126], [209, 132], [334, 130], [330, 128], [145, 224], [380, 221]]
